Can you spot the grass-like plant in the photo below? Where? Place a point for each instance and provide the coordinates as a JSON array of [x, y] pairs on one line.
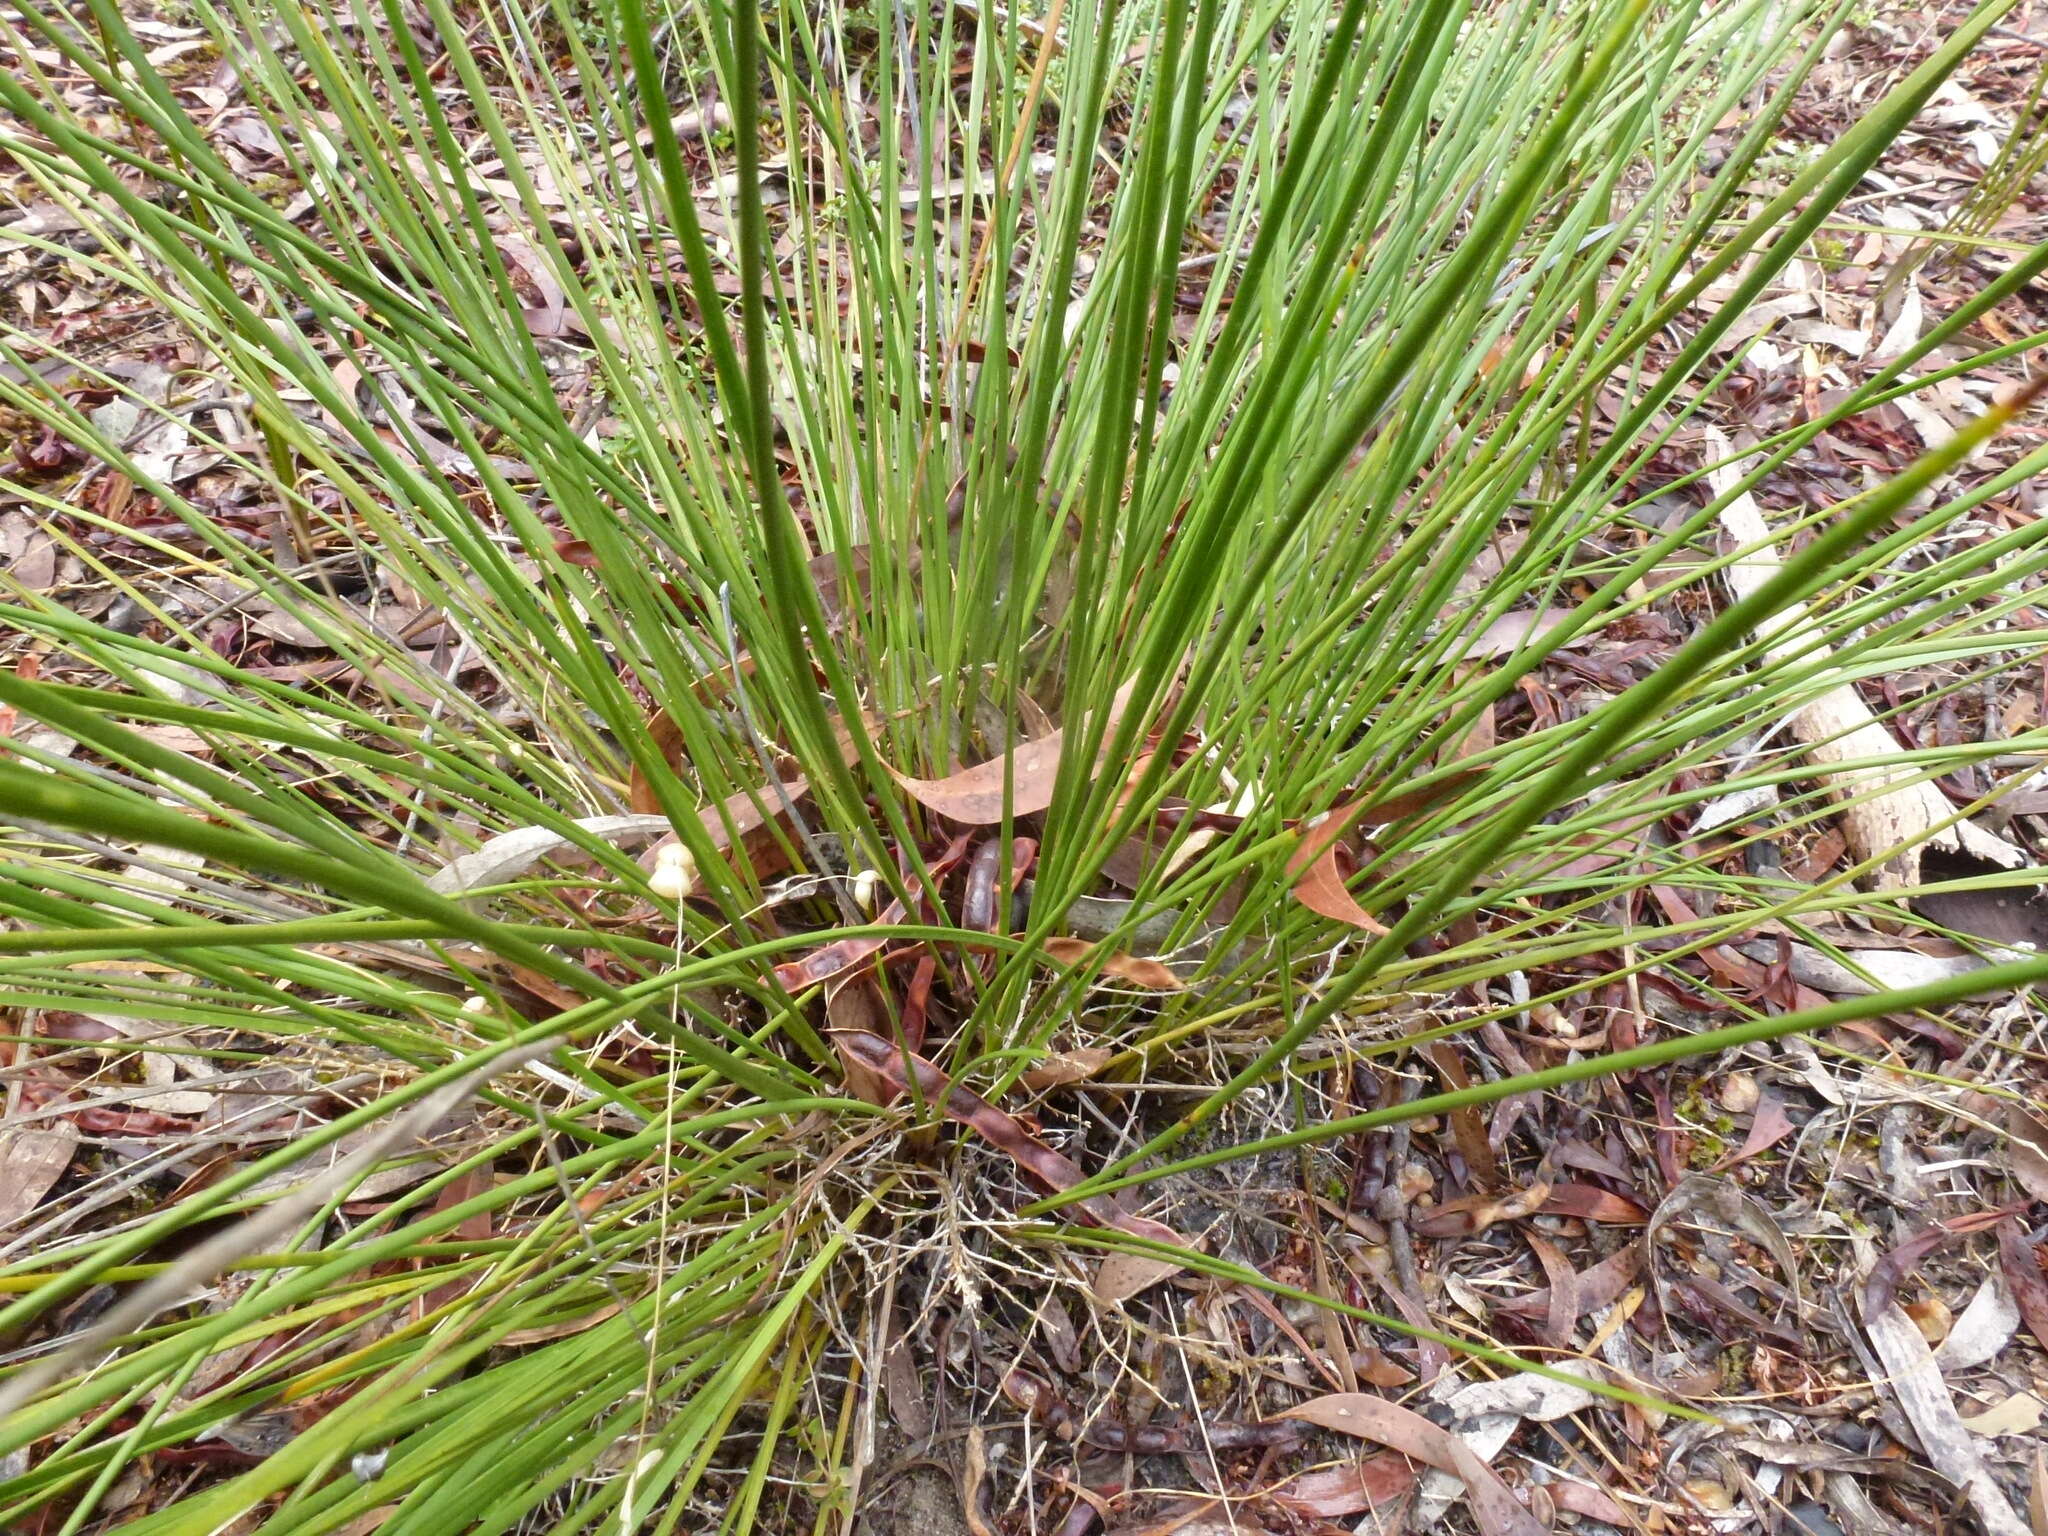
[[734, 418]]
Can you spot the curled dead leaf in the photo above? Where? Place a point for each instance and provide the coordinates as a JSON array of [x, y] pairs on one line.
[[1314, 864], [1138, 970]]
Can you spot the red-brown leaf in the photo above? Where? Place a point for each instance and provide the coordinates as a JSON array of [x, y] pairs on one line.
[[1769, 1125], [1319, 879], [838, 956], [2021, 1262], [1138, 970], [1891, 1269], [1075, 1066], [1347, 1490], [1599, 1286], [1584, 1499], [1563, 1313], [854, 1005], [1494, 1507], [975, 795], [1589, 1202]]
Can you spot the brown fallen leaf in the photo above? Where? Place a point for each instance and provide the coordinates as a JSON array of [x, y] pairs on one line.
[[1562, 1316], [844, 579], [1382, 806], [2026, 1150], [1494, 1506], [1508, 633], [1350, 1489], [1121, 1276], [1377, 1369], [1584, 1499], [1480, 736], [901, 1389], [1589, 1202], [854, 1004], [542, 301], [1769, 1126], [666, 736], [32, 1159], [917, 999], [1999, 915], [1319, 878], [1468, 1127], [2020, 1262], [1602, 1285], [31, 553], [974, 796], [2019, 1414], [1890, 1271], [837, 956], [1138, 970], [1063, 1067]]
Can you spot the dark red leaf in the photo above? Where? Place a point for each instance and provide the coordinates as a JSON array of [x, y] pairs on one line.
[[1589, 1202], [2021, 1262]]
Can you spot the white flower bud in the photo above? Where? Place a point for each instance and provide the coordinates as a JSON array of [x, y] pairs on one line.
[[675, 872]]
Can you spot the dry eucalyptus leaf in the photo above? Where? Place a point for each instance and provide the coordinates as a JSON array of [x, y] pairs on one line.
[[32, 1159], [2026, 1150], [2019, 1414], [1983, 1328], [510, 854], [1511, 631], [1915, 1381], [1123, 1275], [1063, 1067], [975, 796], [1494, 1506], [1138, 970]]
